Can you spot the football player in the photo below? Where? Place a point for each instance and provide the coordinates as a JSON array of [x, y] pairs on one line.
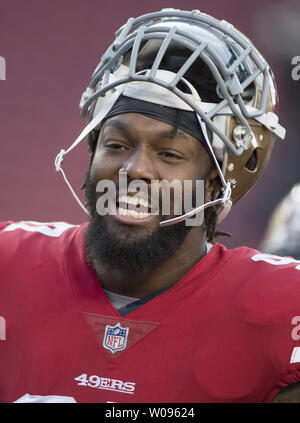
[[140, 304]]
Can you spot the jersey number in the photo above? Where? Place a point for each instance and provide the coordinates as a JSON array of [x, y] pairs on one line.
[[52, 229], [276, 260]]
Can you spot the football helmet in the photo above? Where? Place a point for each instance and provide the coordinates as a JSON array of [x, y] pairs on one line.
[[282, 236], [192, 61]]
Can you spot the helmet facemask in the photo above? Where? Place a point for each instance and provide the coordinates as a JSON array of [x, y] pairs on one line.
[[191, 61]]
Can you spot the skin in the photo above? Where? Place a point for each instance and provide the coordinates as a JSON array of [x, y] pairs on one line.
[[143, 147], [289, 394]]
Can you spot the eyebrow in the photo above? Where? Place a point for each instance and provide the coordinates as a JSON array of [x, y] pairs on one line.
[[115, 123], [166, 133]]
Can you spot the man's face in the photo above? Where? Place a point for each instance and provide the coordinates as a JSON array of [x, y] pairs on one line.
[[144, 149]]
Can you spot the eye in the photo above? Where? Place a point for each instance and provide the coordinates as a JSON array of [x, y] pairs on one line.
[[171, 155], [115, 145]]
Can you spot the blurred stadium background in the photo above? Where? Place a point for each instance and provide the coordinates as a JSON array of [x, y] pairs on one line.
[[51, 48]]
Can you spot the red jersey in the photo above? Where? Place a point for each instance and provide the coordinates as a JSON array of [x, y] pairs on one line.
[[226, 332]]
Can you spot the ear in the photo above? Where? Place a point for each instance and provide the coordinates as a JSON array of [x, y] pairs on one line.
[[210, 184]]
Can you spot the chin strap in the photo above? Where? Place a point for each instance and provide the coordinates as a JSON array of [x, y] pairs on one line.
[[58, 163], [224, 201], [92, 125]]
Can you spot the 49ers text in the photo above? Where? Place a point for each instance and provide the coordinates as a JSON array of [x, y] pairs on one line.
[[105, 383]]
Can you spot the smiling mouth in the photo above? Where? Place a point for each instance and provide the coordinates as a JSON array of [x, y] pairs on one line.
[[134, 206], [134, 209], [133, 213]]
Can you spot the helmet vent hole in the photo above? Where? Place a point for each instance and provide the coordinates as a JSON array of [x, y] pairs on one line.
[[252, 162]]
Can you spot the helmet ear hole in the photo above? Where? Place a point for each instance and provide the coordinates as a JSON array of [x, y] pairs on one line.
[[252, 162]]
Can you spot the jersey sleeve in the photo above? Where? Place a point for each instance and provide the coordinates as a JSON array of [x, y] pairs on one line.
[[28, 240], [269, 303], [8, 246]]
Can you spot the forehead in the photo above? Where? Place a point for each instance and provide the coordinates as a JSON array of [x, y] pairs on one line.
[[137, 123]]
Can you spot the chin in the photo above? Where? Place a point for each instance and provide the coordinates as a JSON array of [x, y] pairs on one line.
[[135, 249]]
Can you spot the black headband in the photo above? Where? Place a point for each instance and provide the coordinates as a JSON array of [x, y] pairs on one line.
[[183, 119]]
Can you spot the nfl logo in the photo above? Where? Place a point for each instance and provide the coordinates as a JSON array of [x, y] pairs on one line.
[[115, 338]]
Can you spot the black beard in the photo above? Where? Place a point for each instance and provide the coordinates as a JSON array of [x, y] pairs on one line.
[[125, 250]]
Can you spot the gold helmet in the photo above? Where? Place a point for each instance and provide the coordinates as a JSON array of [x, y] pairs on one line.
[[191, 61]]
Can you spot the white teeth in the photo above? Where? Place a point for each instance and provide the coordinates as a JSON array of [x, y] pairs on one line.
[[132, 213], [136, 201]]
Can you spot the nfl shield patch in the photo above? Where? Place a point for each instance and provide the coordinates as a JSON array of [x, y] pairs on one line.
[[115, 338]]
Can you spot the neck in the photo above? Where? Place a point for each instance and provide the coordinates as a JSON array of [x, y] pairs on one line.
[[140, 285]]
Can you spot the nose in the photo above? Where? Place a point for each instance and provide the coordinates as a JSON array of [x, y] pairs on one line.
[[140, 166]]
